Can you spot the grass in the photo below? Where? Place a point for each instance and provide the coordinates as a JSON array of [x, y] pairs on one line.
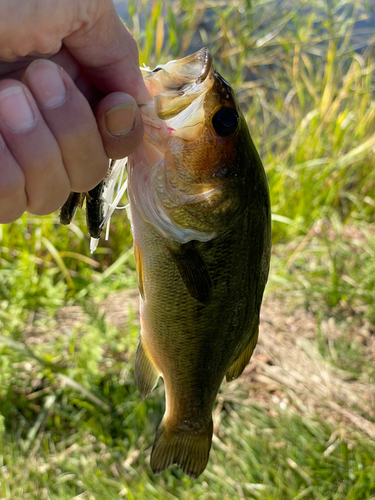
[[72, 424]]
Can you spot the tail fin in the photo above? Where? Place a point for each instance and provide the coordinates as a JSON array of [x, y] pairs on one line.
[[189, 451]]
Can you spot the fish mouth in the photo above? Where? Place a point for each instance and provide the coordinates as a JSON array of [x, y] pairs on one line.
[[179, 87], [178, 74]]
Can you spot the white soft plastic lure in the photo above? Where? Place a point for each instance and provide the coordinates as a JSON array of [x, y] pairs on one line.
[[115, 187], [113, 192]]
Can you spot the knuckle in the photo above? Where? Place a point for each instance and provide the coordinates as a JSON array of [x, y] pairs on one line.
[[132, 46], [46, 43]]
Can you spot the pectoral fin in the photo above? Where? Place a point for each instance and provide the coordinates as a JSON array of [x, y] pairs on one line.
[[194, 272], [146, 375], [239, 365]]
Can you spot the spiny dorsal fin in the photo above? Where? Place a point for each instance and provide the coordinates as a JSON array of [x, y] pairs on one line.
[[193, 272], [239, 365], [146, 375], [189, 451]]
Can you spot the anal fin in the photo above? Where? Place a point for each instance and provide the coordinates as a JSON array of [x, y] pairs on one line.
[[239, 365], [146, 375], [190, 451]]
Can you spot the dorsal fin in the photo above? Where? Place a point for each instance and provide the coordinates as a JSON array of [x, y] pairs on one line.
[[239, 365]]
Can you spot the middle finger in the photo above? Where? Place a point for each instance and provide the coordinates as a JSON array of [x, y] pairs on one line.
[[72, 122]]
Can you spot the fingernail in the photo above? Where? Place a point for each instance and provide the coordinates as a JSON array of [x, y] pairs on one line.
[[45, 82], [120, 120], [15, 109]]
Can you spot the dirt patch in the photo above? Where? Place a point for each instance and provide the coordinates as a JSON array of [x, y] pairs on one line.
[[288, 365], [286, 368]]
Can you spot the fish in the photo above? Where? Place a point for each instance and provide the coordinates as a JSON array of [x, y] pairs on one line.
[[201, 222]]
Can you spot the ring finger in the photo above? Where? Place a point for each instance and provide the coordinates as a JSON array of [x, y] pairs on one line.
[[33, 147]]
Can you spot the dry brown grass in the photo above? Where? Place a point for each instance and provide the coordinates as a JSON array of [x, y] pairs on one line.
[[287, 367]]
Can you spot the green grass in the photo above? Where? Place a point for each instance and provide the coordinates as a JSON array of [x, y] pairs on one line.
[[72, 424]]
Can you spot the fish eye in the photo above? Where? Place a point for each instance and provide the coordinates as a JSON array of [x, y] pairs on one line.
[[225, 121]]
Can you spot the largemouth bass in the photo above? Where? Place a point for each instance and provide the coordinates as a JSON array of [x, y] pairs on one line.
[[200, 215]]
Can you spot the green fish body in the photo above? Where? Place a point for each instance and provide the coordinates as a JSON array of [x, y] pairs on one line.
[[200, 215]]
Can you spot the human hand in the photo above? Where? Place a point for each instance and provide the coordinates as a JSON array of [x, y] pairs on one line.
[[51, 142]]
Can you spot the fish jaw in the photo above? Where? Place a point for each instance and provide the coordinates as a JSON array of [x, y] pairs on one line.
[[179, 80]]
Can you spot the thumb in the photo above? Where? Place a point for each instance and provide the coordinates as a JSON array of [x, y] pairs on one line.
[[108, 53]]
